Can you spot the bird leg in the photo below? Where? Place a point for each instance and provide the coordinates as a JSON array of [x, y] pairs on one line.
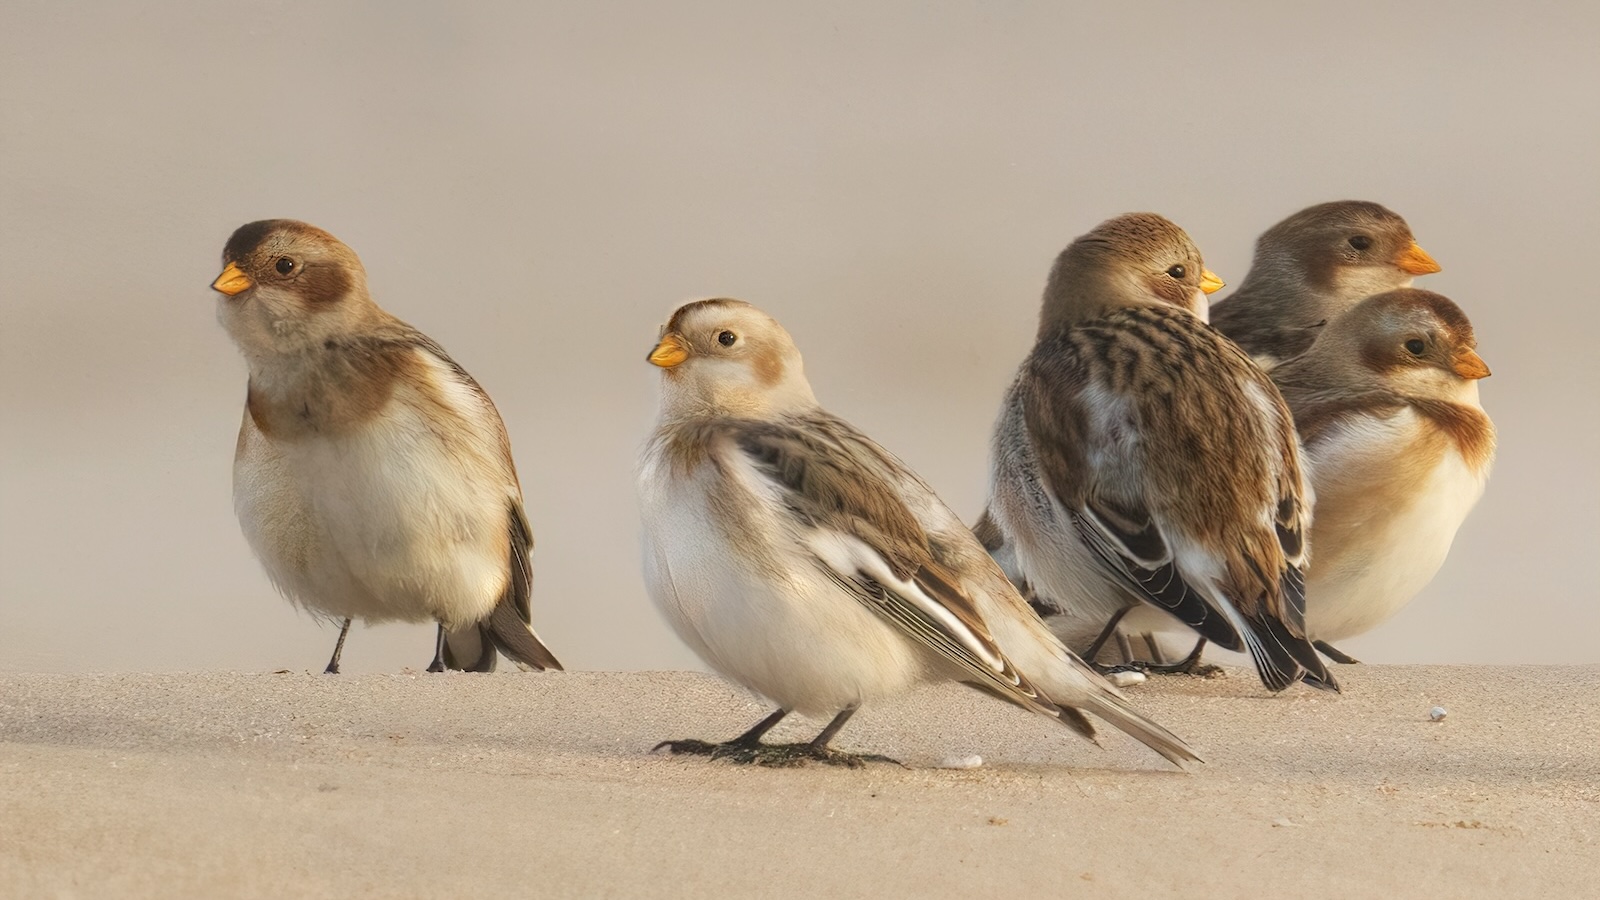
[[1335, 654], [1105, 635], [438, 653], [338, 648], [1157, 658], [745, 743]]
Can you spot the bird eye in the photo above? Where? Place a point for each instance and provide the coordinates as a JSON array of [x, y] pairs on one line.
[[1415, 347], [285, 265], [727, 338], [1360, 242], [1177, 272]]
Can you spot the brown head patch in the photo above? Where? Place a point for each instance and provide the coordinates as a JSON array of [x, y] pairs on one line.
[[297, 257]]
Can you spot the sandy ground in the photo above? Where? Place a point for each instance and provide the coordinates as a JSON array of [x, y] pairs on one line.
[[305, 785]]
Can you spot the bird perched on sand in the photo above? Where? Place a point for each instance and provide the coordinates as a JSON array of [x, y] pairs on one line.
[[1313, 266], [1143, 462], [802, 560], [373, 477], [1399, 450]]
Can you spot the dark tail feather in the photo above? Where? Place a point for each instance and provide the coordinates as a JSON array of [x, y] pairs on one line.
[[1283, 658], [515, 638]]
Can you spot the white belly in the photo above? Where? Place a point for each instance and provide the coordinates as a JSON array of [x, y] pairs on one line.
[[784, 630], [1393, 559], [379, 524]]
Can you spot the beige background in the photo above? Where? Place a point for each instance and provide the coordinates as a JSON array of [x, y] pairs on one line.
[[537, 188]]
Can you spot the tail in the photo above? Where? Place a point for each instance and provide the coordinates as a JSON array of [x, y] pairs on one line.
[[1111, 707], [476, 647], [508, 628]]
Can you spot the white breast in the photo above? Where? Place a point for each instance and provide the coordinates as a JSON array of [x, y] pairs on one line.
[[1404, 534], [761, 611]]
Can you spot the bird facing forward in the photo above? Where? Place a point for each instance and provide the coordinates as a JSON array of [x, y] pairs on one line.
[[1313, 266], [1142, 461], [803, 561], [1399, 451], [373, 477]]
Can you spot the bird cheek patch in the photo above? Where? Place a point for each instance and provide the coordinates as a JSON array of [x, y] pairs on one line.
[[322, 286]]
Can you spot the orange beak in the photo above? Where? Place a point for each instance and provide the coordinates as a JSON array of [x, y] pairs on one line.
[[1468, 364], [1416, 261], [669, 352], [1210, 283], [232, 281]]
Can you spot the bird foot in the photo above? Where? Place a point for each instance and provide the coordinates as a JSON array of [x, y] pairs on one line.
[[1191, 667], [778, 756]]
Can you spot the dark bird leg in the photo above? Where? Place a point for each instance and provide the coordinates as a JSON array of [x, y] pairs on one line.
[[1157, 658], [1335, 654], [438, 653], [338, 648], [1105, 635]]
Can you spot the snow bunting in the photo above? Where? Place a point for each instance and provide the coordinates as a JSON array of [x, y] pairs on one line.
[[1313, 266], [803, 561], [1142, 462], [1398, 452], [373, 477]]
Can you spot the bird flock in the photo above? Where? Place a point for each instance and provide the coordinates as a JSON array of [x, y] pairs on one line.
[[1272, 473]]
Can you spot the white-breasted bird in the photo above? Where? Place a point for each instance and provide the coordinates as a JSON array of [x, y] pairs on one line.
[[803, 561], [373, 477], [1142, 463], [1399, 450]]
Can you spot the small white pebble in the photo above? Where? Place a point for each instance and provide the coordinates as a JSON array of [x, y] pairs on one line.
[[961, 762], [1126, 677], [1438, 713]]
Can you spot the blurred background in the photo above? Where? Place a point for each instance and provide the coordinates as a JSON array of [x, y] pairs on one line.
[[538, 185]]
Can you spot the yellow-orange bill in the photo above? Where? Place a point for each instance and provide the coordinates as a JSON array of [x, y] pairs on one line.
[[232, 281], [1468, 364], [669, 352], [1416, 261], [1209, 282]]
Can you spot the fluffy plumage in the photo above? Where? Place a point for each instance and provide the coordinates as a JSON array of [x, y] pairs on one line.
[[373, 476], [1142, 458], [1313, 266], [802, 560], [1399, 451]]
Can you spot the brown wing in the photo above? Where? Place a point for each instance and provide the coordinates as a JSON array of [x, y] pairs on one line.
[[830, 477]]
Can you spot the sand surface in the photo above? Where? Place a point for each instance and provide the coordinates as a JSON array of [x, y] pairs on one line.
[[303, 785]]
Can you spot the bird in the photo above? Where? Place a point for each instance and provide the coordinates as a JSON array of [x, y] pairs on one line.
[[802, 560], [1313, 266], [1142, 464], [1399, 451], [372, 477]]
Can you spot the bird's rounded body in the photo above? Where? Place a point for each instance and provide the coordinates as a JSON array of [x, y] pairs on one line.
[[770, 618], [1393, 491], [381, 518]]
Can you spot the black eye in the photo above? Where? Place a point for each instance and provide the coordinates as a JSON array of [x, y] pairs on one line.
[[1360, 242], [285, 265], [1177, 272], [1415, 347], [727, 338]]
